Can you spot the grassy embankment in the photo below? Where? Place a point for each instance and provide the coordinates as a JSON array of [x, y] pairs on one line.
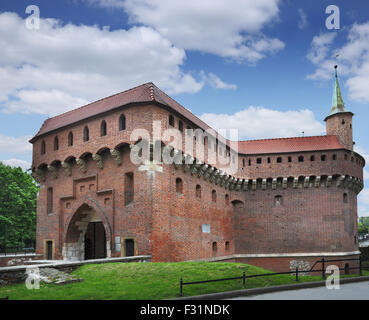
[[150, 281]]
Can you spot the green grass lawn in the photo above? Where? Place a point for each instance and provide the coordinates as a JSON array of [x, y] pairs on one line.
[[150, 281]]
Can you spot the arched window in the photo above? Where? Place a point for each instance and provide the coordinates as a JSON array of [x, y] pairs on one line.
[[227, 245], [214, 246], [323, 157], [198, 191], [214, 196], [122, 122], [171, 120], [289, 159], [43, 147], [56, 143], [227, 199], [179, 185], [279, 160], [70, 139], [301, 159], [86, 134], [312, 158], [103, 128], [347, 268], [278, 200], [334, 157], [180, 126], [345, 198]]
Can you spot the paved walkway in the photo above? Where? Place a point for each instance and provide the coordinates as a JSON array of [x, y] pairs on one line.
[[349, 291]]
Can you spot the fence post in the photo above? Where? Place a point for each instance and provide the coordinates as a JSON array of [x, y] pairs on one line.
[[181, 287], [360, 267], [297, 273], [323, 268], [243, 278]]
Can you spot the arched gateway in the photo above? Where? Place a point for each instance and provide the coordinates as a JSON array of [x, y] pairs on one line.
[[86, 236]]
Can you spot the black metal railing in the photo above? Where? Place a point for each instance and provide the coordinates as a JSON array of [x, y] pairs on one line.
[[296, 273], [6, 251]]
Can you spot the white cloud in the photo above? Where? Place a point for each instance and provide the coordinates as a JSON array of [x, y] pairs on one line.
[[320, 47], [60, 67], [260, 122], [363, 198], [230, 30], [365, 155], [302, 24], [215, 82], [363, 203], [15, 145], [17, 163], [353, 59]]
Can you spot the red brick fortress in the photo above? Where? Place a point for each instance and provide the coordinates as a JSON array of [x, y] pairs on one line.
[[289, 201]]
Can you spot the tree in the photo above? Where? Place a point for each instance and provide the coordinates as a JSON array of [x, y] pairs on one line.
[[18, 194], [362, 229]]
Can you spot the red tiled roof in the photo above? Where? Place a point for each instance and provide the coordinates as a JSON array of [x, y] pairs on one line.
[[144, 93], [148, 92], [297, 144]]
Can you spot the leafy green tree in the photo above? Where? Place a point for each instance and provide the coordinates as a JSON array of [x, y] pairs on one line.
[[362, 229], [18, 193]]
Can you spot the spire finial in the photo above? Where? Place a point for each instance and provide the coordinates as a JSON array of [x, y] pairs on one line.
[[337, 101]]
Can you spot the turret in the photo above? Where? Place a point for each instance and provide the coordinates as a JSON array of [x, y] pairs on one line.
[[339, 120]]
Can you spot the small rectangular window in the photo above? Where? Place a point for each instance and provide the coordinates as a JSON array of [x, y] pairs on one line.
[[206, 228]]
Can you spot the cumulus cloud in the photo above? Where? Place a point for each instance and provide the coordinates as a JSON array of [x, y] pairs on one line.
[[353, 59], [15, 144], [60, 67], [17, 163], [230, 30], [214, 81], [320, 47], [259, 122]]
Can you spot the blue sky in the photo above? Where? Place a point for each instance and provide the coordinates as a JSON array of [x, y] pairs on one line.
[[264, 67]]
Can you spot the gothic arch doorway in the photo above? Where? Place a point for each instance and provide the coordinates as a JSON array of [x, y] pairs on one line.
[[86, 237]]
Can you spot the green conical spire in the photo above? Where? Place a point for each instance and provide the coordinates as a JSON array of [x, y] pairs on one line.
[[337, 101]]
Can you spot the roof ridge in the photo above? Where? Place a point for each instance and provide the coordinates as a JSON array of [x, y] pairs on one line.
[[286, 138], [182, 107], [86, 105]]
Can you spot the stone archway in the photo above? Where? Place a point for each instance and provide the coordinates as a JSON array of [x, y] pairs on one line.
[[86, 236]]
